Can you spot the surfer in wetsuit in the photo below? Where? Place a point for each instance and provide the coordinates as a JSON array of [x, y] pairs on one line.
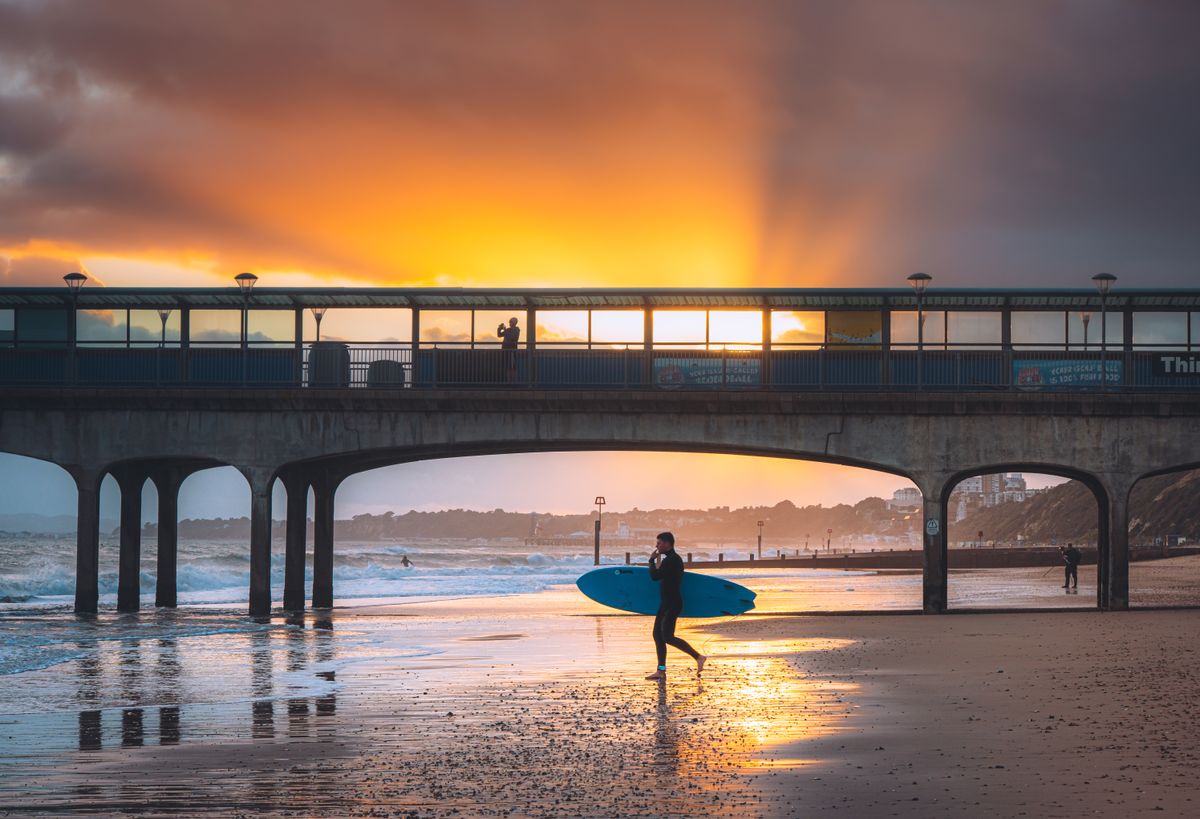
[[666, 569]]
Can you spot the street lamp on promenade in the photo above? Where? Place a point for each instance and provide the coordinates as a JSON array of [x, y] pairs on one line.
[[1104, 283], [599, 513], [74, 282], [1085, 317], [919, 282], [760, 526]]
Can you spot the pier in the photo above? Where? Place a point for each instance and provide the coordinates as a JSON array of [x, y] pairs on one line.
[[877, 388]]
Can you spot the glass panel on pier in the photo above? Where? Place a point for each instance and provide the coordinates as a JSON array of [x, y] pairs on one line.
[[101, 328], [801, 329], [735, 329], [562, 328], [1160, 331], [618, 328]]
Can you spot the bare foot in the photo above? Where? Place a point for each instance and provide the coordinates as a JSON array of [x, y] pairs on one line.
[[657, 675], [700, 661]]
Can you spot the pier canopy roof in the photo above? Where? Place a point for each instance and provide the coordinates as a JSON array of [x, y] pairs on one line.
[[95, 297]]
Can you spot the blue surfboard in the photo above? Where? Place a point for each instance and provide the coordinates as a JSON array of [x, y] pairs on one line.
[[629, 588]]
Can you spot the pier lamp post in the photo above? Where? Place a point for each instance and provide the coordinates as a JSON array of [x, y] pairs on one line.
[[245, 283], [760, 526], [318, 313], [74, 282], [919, 282], [1104, 283], [163, 315], [599, 512], [1085, 317]]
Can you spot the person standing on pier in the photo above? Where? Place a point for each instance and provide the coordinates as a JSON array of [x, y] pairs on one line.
[[1071, 556], [510, 338], [666, 569]]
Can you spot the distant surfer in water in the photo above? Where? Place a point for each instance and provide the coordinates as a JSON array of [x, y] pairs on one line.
[[666, 569]]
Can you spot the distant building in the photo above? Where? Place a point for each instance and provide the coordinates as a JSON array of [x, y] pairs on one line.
[[983, 491], [907, 498]]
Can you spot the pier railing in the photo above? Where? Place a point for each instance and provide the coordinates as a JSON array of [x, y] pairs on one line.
[[609, 339], [390, 366]]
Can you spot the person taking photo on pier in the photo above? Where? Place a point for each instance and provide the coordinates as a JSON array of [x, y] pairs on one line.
[[1071, 556], [666, 569], [510, 338]]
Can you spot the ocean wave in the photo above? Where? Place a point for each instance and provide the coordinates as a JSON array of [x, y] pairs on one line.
[[209, 573]]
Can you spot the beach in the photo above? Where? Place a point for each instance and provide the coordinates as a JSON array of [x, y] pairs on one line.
[[535, 705]]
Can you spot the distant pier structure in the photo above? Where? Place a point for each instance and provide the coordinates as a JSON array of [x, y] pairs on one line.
[[939, 386]]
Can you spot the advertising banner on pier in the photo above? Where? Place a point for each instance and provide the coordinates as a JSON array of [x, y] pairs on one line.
[[694, 371], [1176, 365], [1058, 373]]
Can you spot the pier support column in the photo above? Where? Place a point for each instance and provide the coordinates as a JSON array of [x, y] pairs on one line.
[[1112, 545], [297, 523], [260, 481], [323, 492], [87, 540], [934, 569], [167, 481], [131, 479]]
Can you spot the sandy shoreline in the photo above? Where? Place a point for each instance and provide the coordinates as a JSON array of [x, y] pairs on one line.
[[533, 706]]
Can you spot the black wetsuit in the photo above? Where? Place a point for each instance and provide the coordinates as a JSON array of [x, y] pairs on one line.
[[1072, 556], [670, 575]]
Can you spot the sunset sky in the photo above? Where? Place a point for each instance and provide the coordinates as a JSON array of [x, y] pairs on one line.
[[600, 143]]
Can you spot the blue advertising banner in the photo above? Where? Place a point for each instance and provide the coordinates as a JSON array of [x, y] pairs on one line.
[[1035, 373], [686, 371]]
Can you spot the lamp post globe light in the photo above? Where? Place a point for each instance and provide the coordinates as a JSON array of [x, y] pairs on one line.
[[74, 281], [919, 282], [245, 283], [1104, 283]]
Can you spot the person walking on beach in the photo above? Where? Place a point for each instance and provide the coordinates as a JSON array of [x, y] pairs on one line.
[[1071, 556], [666, 569]]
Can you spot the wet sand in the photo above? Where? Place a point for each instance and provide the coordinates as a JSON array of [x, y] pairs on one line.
[[534, 705]]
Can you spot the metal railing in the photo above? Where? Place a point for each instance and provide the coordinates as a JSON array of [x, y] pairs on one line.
[[392, 366]]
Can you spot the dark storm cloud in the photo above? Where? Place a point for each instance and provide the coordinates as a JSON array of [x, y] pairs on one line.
[[986, 141], [1012, 139]]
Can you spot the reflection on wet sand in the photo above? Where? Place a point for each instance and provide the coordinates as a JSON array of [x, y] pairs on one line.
[[168, 725], [506, 725], [90, 731]]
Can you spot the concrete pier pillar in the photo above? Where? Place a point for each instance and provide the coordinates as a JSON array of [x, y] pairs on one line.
[[297, 524], [935, 588], [260, 541], [167, 482], [323, 493], [87, 540], [1112, 588], [131, 480]]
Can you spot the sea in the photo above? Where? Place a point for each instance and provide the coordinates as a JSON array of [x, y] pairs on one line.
[[38, 629]]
